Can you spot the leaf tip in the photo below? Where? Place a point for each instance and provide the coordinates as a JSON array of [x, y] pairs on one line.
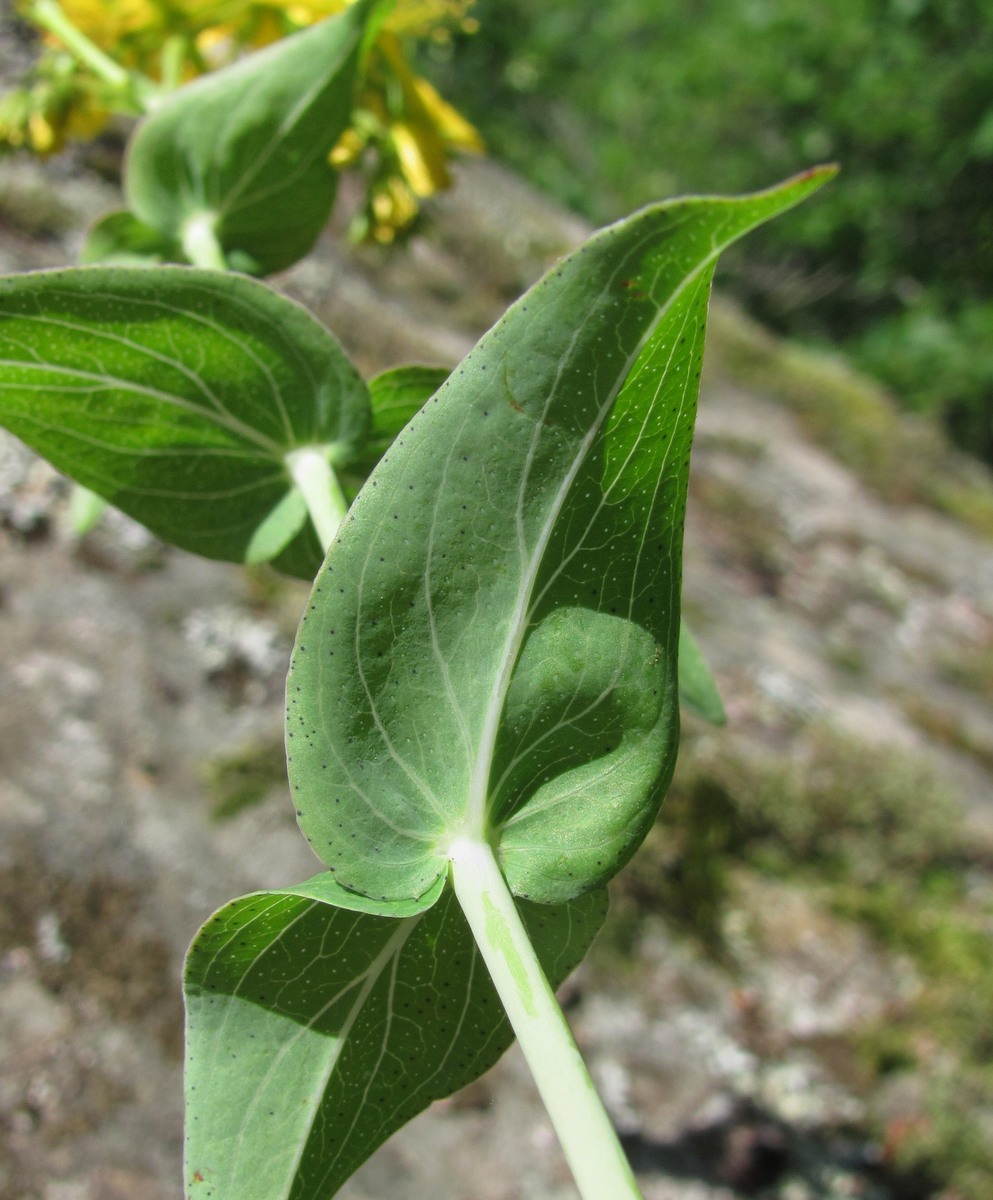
[[821, 173]]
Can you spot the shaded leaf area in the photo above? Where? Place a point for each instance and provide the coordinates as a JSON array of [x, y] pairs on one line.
[[176, 394], [247, 147], [491, 648], [314, 1031]]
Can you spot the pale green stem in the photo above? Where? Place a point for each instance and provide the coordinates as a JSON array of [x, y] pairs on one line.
[[200, 244], [314, 476], [50, 16], [173, 51], [588, 1139]]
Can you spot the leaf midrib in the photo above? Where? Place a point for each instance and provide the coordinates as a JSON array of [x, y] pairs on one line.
[[105, 382], [233, 200]]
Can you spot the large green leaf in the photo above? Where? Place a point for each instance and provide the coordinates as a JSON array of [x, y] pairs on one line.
[[245, 150], [314, 1032], [491, 648], [177, 395]]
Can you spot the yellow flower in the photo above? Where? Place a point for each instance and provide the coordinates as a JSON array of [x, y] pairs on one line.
[[348, 150], [421, 126], [413, 18], [400, 117], [107, 25]]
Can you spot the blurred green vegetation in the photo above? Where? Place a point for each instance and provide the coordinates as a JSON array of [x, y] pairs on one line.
[[611, 106], [244, 778]]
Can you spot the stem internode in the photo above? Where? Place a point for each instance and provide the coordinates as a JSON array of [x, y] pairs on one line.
[[584, 1130]]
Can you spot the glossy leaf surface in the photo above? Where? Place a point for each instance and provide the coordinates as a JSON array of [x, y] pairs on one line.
[[491, 647], [314, 1032], [247, 147], [176, 394]]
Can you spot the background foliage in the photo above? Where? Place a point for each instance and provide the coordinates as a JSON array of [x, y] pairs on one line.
[[609, 106]]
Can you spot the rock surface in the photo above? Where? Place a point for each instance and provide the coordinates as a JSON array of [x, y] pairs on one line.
[[127, 669]]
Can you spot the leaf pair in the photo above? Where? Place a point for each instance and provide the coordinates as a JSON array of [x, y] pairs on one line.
[[241, 156], [145, 373]]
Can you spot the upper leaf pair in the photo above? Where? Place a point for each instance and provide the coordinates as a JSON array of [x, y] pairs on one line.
[[238, 160]]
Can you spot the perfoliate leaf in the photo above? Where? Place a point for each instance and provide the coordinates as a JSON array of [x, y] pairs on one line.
[[314, 1032], [697, 690], [491, 648], [177, 394], [246, 148]]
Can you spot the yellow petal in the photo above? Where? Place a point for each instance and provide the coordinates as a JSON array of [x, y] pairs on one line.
[[449, 122], [316, 10], [43, 137], [106, 24], [422, 104], [348, 149], [422, 157]]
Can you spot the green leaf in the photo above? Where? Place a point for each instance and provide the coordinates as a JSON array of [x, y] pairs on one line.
[[697, 690], [491, 647], [246, 149], [314, 1032], [177, 395], [119, 238], [396, 396]]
